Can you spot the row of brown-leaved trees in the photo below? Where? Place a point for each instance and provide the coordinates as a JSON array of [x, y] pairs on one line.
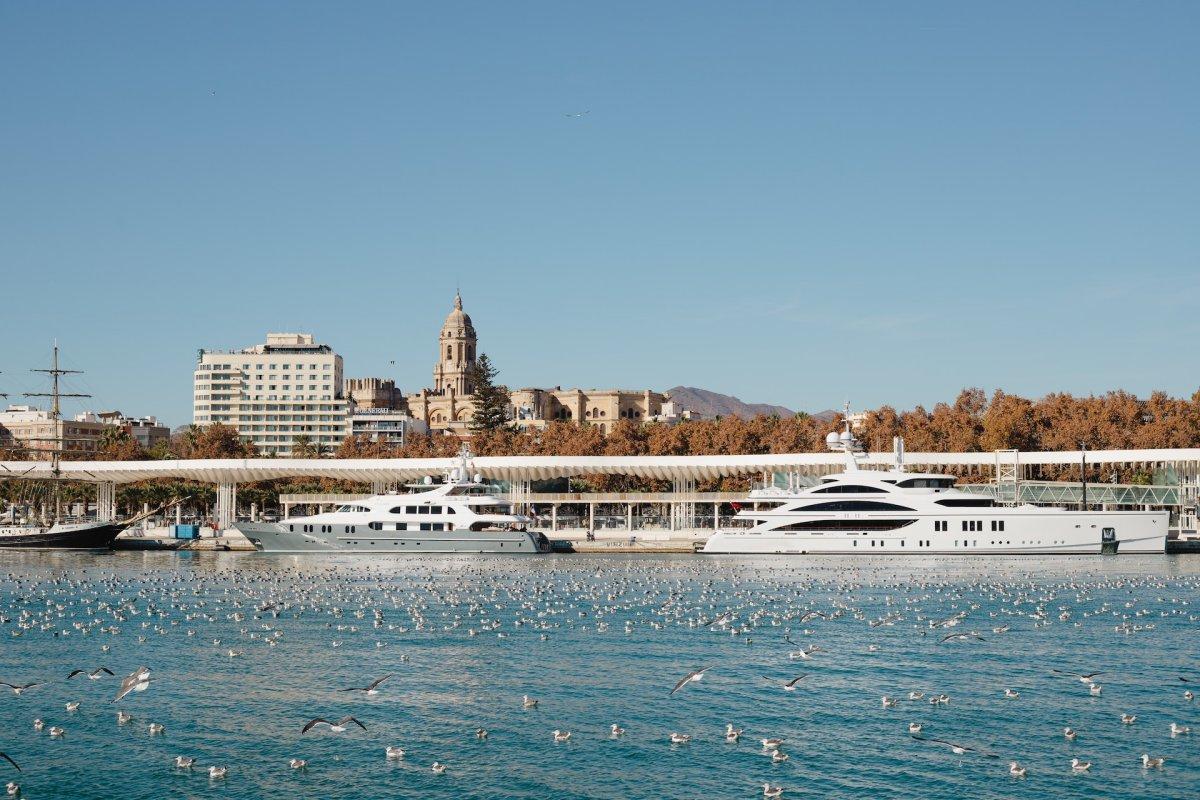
[[973, 422]]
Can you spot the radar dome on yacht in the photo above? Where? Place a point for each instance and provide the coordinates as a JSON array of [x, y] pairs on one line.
[[477, 478], [846, 436], [428, 480], [454, 474], [831, 437]]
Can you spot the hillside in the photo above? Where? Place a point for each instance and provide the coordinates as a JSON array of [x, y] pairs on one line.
[[712, 404]]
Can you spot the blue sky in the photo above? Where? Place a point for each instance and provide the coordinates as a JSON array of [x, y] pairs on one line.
[[791, 202]]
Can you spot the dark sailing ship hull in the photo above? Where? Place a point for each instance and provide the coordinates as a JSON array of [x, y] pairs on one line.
[[88, 536]]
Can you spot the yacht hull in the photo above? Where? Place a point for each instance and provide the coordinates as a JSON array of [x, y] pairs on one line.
[[282, 538], [82, 536], [1039, 533]]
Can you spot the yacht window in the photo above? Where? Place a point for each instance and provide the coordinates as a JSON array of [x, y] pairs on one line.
[[846, 488], [964, 524], [423, 510], [401, 526], [967, 502], [852, 505], [410, 509], [1001, 525], [926, 483], [848, 525], [449, 509], [375, 526], [426, 526], [435, 509]]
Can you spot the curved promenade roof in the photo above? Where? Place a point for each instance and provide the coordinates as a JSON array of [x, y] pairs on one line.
[[512, 468]]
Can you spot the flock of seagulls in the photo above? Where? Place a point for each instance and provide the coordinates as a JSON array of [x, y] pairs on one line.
[[748, 625]]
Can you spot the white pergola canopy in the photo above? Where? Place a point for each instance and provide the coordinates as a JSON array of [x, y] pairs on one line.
[[530, 468]]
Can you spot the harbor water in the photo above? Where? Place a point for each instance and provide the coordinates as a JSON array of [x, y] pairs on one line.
[[245, 649]]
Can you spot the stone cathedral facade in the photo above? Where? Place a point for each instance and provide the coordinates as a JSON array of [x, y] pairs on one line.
[[448, 404]]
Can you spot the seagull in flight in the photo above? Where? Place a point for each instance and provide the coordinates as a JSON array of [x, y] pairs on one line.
[[578, 115], [18, 689], [93, 675], [961, 637], [136, 681], [336, 727], [788, 686], [959, 749], [1083, 678], [370, 689], [689, 678]]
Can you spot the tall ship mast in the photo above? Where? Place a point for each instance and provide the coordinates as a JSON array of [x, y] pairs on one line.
[[58, 439], [58, 533]]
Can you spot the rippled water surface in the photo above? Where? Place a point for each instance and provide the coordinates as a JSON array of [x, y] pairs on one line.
[[597, 640]]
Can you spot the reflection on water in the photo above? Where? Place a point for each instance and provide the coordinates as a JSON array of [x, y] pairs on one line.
[[598, 640]]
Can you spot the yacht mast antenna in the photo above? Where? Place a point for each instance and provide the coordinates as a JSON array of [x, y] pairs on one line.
[[846, 442]]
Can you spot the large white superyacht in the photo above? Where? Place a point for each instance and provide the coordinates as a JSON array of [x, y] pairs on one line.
[[893, 512], [459, 515]]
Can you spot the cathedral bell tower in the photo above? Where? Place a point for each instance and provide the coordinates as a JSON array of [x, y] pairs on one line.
[[456, 353]]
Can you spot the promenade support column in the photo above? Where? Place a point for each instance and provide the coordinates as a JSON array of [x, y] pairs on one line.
[[226, 505], [106, 501], [518, 496]]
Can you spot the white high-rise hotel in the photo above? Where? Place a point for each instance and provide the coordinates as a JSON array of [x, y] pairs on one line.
[[273, 393]]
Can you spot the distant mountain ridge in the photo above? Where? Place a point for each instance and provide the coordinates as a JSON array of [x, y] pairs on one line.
[[714, 404]]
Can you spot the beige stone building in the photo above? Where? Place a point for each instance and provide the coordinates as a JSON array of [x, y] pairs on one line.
[[33, 433], [374, 393], [449, 405]]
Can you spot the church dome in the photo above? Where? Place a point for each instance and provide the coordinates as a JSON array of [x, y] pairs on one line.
[[458, 321]]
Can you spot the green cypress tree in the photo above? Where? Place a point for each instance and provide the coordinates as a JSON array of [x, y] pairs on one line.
[[491, 400]]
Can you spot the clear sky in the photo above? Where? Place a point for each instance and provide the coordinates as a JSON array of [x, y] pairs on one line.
[[792, 202]]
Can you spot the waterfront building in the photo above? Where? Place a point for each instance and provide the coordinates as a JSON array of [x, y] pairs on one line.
[[387, 425], [448, 405], [146, 431], [33, 432], [374, 393], [272, 393]]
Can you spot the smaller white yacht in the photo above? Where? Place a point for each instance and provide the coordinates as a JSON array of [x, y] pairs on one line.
[[893, 512], [459, 515]]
